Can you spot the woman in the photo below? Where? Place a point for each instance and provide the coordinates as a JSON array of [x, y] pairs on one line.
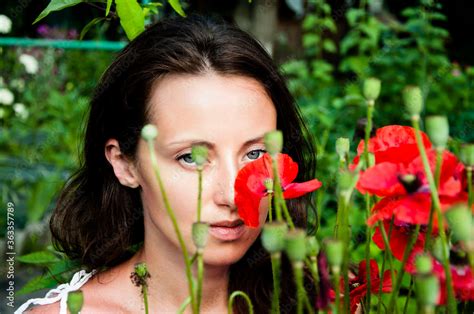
[[199, 81]]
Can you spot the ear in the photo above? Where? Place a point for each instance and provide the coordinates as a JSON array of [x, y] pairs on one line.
[[124, 170]]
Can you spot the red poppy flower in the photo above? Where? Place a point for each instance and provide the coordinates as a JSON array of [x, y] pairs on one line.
[[405, 188], [250, 188], [358, 284], [393, 143], [398, 238], [462, 278]]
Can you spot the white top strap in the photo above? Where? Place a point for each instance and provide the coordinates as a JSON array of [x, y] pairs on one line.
[[60, 293]]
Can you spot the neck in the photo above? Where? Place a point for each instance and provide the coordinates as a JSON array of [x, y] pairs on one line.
[[168, 286]]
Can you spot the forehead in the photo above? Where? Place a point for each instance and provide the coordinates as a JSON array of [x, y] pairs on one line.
[[210, 106]]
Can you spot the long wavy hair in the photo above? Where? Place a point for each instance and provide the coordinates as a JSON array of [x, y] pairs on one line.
[[98, 221]]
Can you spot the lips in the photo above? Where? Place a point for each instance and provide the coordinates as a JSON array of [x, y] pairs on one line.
[[227, 230]]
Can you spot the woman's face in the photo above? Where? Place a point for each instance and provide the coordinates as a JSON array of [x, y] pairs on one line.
[[228, 114]]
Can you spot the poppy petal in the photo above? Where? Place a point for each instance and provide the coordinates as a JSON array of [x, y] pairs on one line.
[[294, 190], [248, 208], [381, 180]]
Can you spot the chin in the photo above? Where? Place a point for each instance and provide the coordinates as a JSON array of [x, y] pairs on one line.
[[224, 253]]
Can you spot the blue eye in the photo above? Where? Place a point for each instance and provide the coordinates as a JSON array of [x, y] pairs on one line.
[[187, 158], [256, 153]]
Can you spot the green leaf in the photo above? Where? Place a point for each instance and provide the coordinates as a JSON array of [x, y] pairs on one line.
[[329, 46], [131, 17], [38, 283], [177, 7], [58, 5], [41, 257], [107, 10], [89, 25]]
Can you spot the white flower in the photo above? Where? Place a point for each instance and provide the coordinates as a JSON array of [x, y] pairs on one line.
[[5, 24], [21, 111], [6, 97], [30, 63]]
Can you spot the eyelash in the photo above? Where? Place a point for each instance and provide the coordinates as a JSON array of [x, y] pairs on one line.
[[181, 157]]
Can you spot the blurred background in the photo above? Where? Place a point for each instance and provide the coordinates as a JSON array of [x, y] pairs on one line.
[[324, 48]]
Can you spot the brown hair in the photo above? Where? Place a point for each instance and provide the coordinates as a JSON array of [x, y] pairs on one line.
[[97, 220]]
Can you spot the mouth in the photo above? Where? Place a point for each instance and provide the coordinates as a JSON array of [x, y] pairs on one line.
[[227, 230]]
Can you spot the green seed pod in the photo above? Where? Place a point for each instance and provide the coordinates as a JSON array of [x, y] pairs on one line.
[[141, 269], [75, 300], [427, 289], [342, 147], [459, 219], [149, 132], [273, 236], [312, 246], [438, 247], [268, 183], [199, 154], [295, 245], [200, 231], [273, 142], [437, 128], [413, 100], [371, 89], [424, 264], [467, 155], [334, 251], [345, 180]]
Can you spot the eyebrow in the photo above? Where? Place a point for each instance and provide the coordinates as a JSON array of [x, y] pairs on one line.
[[212, 145]]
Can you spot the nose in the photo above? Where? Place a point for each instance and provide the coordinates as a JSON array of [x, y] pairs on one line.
[[224, 187]]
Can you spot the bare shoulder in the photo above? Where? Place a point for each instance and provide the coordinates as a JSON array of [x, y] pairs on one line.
[[44, 309]]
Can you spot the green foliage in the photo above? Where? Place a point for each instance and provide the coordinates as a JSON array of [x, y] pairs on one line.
[[133, 15]]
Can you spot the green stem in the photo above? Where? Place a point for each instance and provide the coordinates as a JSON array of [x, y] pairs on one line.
[[393, 298], [175, 224], [270, 215], [300, 291], [336, 289], [145, 297], [437, 205], [199, 194], [200, 269], [368, 233], [286, 212], [439, 161], [405, 308], [243, 295], [183, 306], [470, 197], [384, 260], [276, 188], [387, 247], [276, 261]]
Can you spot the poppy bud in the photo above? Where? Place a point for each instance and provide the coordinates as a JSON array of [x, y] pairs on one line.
[[437, 128], [295, 245], [273, 236], [273, 142], [427, 289], [438, 247], [141, 270], [371, 89], [312, 246], [413, 100], [199, 154], [467, 155], [75, 300], [459, 218], [334, 252], [149, 132], [268, 183], [424, 264], [200, 231], [345, 180], [342, 147]]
